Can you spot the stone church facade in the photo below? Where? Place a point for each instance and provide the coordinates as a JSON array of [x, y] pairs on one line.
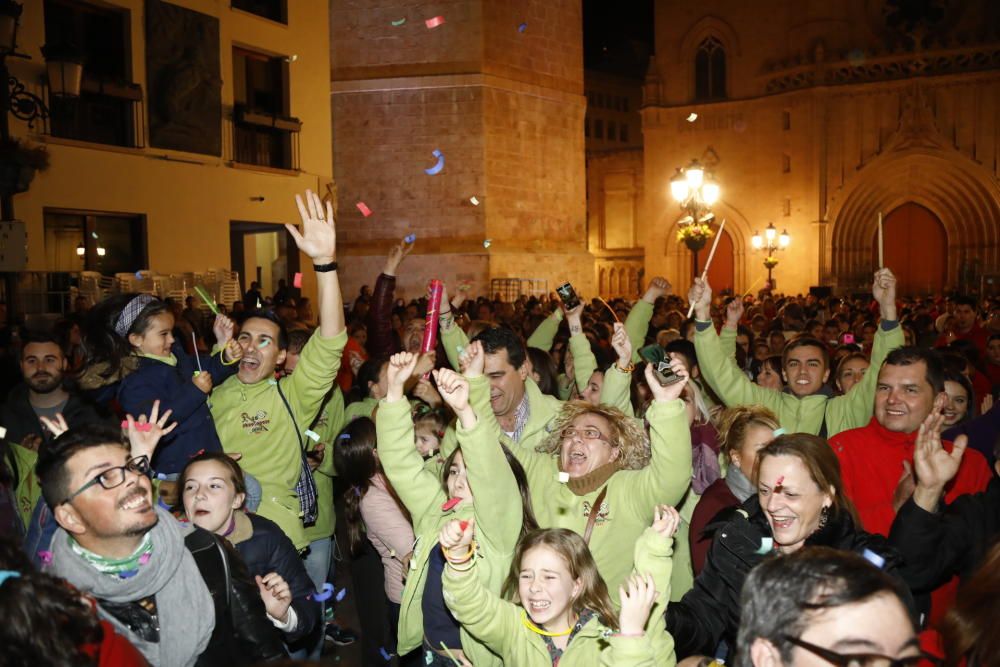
[[818, 116]]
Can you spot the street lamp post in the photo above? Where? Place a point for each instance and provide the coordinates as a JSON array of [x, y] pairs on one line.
[[695, 191], [772, 242]]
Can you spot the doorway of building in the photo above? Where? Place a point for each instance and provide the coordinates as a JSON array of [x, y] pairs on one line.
[[915, 248], [721, 274], [259, 251]]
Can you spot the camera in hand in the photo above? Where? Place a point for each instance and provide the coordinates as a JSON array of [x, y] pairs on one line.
[[568, 296], [665, 375]]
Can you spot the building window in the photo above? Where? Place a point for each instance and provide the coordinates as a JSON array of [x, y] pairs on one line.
[[612, 130], [264, 133], [625, 104], [586, 127], [623, 133], [786, 120], [786, 164], [786, 208], [108, 243], [598, 129], [276, 10], [710, 70], [108, 110]]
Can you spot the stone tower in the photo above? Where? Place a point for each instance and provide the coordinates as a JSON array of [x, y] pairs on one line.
[[496, 86]]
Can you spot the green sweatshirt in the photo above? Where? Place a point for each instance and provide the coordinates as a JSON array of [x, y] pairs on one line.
[[327, 425], [496, 508], [628, 505], [363, 408], [252, 420], [797, 415], [500, 624], [28, 489]]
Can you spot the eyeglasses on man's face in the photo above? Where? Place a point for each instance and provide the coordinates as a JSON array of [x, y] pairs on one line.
[[588, 433], [861, 659], [114, 477]]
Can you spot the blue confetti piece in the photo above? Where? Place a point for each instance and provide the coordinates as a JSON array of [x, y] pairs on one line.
[[873, 558], [522, 27], [410, 238], [436, 169], [766, 545], [385, 654], [779, 431], [325, 595], [341, 595]]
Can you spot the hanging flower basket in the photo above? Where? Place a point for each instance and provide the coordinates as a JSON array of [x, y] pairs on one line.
[[770, 262], [694, 236]]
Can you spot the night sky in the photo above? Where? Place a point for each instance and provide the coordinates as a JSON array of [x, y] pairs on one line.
[[618, 36]]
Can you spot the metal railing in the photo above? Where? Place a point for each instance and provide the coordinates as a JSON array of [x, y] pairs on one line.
[[510, 289]]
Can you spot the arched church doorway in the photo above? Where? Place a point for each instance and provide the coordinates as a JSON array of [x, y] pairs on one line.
[[722, 272], [915, 248]]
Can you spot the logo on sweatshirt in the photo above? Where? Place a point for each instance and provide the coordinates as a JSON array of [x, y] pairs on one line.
[[255, 423], [602, 513]]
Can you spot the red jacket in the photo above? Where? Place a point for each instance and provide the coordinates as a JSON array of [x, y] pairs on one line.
[[114, 650], [871, 463]]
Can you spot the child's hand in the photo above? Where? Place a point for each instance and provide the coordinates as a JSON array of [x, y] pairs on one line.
[[472, 361], [401, 367], [455, 538], [425, 363], [622, 345], [276, 594], [426, 392], [672, 391], [666, 520], [233, 351], [454, 389], [223, 328], [637, 596], [203, 380], [144, 434]]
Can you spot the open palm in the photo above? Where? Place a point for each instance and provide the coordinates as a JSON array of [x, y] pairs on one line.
[[318, 238]]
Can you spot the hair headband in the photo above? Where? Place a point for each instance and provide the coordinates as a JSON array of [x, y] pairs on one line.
[[130, 312]]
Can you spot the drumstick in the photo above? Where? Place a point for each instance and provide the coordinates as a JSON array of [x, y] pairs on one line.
[[711, 254]]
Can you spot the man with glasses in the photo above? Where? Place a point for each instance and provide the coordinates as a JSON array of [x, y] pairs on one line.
[[179, 594], [824, 607]]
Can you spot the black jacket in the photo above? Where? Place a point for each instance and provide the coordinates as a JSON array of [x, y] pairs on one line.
[[270, 550], [20, 420], [710, 612], [937, 546]]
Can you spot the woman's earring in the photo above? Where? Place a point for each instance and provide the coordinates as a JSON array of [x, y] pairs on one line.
[[824, 514]]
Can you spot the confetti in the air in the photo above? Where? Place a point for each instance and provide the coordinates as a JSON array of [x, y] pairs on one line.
[[410, 238], [436, 169], [297, 280], [399, 22], [434, 22], [474, 200], [692, 117], [365, 211]]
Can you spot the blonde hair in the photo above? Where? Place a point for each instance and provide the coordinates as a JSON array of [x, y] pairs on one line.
[[702, 413], [736, 422], [626, 433], [571, 547]]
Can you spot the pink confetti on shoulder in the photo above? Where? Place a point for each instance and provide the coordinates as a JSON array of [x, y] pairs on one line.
[[434, 22], [365, 211], [297, 280]]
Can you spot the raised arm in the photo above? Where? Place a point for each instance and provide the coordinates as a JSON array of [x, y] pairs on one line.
[[637, 322], [543, 337], [584, 362], [617, 386], [318, 240], [380, 340]]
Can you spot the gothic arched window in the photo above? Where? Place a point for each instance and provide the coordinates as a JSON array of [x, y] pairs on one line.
[[710, 70]]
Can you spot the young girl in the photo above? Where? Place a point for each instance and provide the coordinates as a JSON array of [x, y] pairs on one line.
[[557, 610], [372, 510], [213, 491], [428, 429], [499, 506], [138, 334]]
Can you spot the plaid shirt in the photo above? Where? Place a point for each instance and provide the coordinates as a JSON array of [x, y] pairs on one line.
[[521, 415]]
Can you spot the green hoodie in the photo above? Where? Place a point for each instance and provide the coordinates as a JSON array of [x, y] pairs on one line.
[[327, 425], [808, 414], [496, 508], [500, 624], [252, 420]]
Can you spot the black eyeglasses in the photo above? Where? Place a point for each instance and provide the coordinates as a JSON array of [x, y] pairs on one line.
[[861, 659], [112, 477]]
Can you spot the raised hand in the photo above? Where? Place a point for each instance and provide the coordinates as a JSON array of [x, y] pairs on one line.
[[734, 313], [700, 296], [401, 367], [456, 538], [657, 287], [666, 520], [145, 433], [455, 392], [203, 380], [426, 392], [671, 391], [56, 426], [472, 361], [934, 467], [276, 594], [622, 345], [319, 236], [884, 291], [223, 329], [637, 596], [425, 363], [397, 254], [233, 352]]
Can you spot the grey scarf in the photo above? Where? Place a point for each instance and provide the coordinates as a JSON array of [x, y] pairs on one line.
[[739, 484], [184, 606]]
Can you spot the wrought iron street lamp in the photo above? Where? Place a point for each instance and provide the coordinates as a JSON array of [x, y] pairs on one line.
[[696, 192], [772, 242]]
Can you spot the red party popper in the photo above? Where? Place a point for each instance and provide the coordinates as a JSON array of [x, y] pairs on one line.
[[434, 291]]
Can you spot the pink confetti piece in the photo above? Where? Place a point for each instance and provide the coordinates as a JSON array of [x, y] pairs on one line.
[[365, 211], [297, 280], [450, 504], [45, 557], [434, 22], [462, 525]]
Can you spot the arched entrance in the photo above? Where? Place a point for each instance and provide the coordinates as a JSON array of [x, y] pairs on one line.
[[915, 248], [721, 274]]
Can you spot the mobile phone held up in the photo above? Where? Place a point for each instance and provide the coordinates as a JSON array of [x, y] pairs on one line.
[[665, 375], [568, 296]]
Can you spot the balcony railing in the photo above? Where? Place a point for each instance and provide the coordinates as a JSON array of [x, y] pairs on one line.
[[106, 112]]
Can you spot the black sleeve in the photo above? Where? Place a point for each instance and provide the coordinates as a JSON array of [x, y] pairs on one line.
[[253, 630]]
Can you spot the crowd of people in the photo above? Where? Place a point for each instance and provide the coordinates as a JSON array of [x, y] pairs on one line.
[[779, 480]]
